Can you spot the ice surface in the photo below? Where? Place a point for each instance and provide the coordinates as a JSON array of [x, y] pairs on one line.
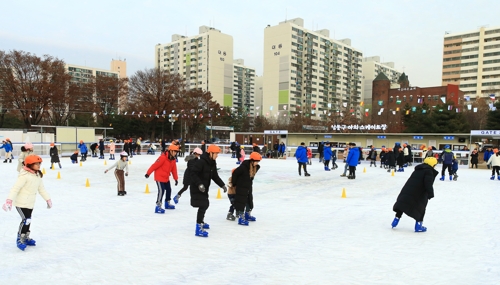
[[305, 232]]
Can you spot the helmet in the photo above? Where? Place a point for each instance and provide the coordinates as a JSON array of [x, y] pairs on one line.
[[198, 151], [432, 161], [255, 156], [495, 150], [110, 141], [242, 146], [447, 146], [28, 145], [390, 149], [213, 148], [30, 159], [173, 147], [123, 153], [81, 141], [76, 152], [51, 144]]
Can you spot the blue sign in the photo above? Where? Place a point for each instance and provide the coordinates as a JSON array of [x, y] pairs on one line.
[[418, 137], [328, 136], [449, 138], [381, 137]]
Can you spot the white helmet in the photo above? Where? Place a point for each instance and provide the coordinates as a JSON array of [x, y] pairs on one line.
[[123, 153], [198, 151]]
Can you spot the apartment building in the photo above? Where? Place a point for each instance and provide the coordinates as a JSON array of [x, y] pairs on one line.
[[307, 72], [373, 67], [204, 60], [244, 87], [259, 95], [472, 61]]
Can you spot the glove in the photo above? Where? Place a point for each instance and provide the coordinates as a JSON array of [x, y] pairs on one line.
[[225, 188], [49, 204], [7, 205], [202, 188], [126, 173], [105, 171], [147, 175], [176, 182]]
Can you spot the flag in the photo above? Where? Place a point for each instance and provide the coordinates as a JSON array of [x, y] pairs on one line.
[[492, 96], [450, 107], [397, 109], [344, 104], [380, 103], [413, 109], [419, 100], [398, 101], [407, 112], [443, 98], [366, 114], [362, 103], [329, 105], [475, 110], [424, 111], [469, 107], [313, 105], [467, 98], [284, 107]]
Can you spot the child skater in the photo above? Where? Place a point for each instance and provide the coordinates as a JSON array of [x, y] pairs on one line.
[[454, 169], [231, 195], [26, 150], [242, 155], [112, 150], [242, 180], [54, 156], [190, 159], [418, 190], [495, 163], [23, 196], [121, 168], [334, 159], [74, 157]]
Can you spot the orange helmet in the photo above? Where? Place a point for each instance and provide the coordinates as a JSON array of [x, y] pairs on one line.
[[173, 147], [76, 152], [30, 159], [390, 149], [81, 141], [495, 150], [51, 144], [213, 148], [255, 156]]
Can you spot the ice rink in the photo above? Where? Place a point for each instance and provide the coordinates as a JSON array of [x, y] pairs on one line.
[[305, 232]]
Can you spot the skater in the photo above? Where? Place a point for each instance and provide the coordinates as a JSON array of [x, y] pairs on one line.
[[54, 156], [282, 149], [416, 192], [372, 156], [255, 147], [93, 149], [163, 167], [352, 160], [83, 150], [301, 155], [74, 157], [238, 153], [26, 150], [101, 149], [494, 161], [487, 154], [320, 151], [23, 196], [7, 146], [231, 195], [390, 160], [242, 155], [474, 158], [242, 180], [309, 155], [400, 159], [382, 155], [126, 147], [202, 173], [203, 146], [447, 158], [454, 170], [186, 180], [233, 149], [334, 159], [327, 155], [121, 168], [138, 145], [112, 148], [151, 149], [346, 165]]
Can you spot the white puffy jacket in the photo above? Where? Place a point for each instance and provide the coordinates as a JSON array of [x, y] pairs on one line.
[[494, 160], [23, 193]]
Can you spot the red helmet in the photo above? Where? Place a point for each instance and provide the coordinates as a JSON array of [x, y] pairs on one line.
[[30, 159]]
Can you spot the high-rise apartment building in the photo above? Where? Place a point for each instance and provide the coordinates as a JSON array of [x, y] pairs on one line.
[[308, 72], [120, 66], [259, 95], [373, 67], [472, 61], [244, 87], [204, 60]]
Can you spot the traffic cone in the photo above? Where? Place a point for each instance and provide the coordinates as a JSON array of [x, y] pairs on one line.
[[58, 175], [43, 171], [364, 170], [81, 163], [218, 194], [343, 193], [392, 174], [147, 189], [87, 184], [129, 161], [105, 162]]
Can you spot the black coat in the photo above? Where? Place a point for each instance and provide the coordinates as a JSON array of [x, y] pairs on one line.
[[417, 191], [54, 155], [203, 147], [400, 158], [101, 145], [242, 181], [390, 159], [203, 171], [474, 158], [191, 160]]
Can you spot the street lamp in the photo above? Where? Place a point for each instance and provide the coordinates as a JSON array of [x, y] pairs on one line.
[[172, 119]]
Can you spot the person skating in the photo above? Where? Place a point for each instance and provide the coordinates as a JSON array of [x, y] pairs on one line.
[[93, 149], [242, 180], [372, 156], [309, 155], [327, 155], [417, 191], [382, 155], [26, 149], [352, 160], [487, 154], [112, 148], [121, 170], [7, 146], [334, 159], [447, 158], [54, 156], [231, 195], [301, 156], [163, 167], [474, 158], [101, 149], [186, 180], [83, 150], [74, 157], [494, 161], [23, 196], [346, 165], [454, 170], [390, 159], [202, 173], [400, 159]]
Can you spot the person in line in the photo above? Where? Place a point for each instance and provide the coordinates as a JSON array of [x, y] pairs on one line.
[[54, 156], [352, 160], [474, 158], [121, 170], [417, 191], [26, 149], [202, 173], [23, 196], [7, 146], [301, 156], [242, 180], [447, 158], [83, 150], [191, 160], [494, 161]]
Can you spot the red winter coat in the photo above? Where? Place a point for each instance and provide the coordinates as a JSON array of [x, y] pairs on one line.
[[163, 167], [309, 153]]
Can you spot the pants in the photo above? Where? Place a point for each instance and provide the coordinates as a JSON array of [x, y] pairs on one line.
[[25, 214], [495, 169], [84, 156], [8, 155], [302, 165], [183, 189], [249, 205], [327, 163], [200, 216], [101, 152], [373, 161], [346, 166], [120, 178], [445, 166], [163, 189], [231, 198], [472, 165], [352, 171]]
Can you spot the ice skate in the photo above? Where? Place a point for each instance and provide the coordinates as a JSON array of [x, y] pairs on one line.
[[395, 222], [169, 206], [176, 198], [159, 210], [206, 226], [21, 242], [230, 217], [249, 217], [29, 241], [455, 176], [442, 178], [200, 231], [419, 227], [241, 219], [343, 175], [307, 174], [326, 168], [492, 177]]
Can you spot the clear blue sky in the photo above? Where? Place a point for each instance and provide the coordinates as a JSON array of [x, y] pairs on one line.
[[91, 33]]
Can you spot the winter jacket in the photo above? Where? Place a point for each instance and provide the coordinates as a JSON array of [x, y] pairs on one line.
[[334, 155], [390, 159], [20, 159], [474, 158], [23, 193], [74, 157], [126, 148], [413, 198], [400, 158], [7, 147], [101, 145], [487, 155], [447, 156], [162, 168], [430, 153], [83, 148], [353, 157], [494, 160], [120, 165], [203, 172], [203, 147], [372, 155], [327, 153], [54, 155], [191, 160], [93, 146], [301, 154], [309, 152], [282, 148], [243, 183], [112, 148]]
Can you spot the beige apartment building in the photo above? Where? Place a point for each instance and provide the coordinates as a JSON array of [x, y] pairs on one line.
[[204, 60], [472, 61], [244, 87], [307, 72], [371, 69]]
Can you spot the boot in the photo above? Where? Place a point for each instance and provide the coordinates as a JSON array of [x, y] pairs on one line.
[[492, 177], [497, 177], [455, 176], [200, 231], [176, 198], [206, 226], [29, 241], [326, 168], [120, 193], [10, 160], [21, 241], [159, 210], [451, 177], [307, 174], [241, 219], [343, 175], [395, 222], [51, 166], [249, 217], [59, 165], [169, 206], [230, 217], [5, 161], [419, 227], [442, 178]]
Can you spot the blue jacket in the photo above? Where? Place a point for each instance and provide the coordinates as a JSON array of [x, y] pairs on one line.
[[7, 146], [282, 148], [83, 148], [353, 156], [301, 154], [101, 145], [327, 153], [447, 156], [487, 155], [455, 165]]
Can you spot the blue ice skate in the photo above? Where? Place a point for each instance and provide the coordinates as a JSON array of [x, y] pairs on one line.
[[206, 226], [169, 206], [159, 210], [451, 177], [29, 241], [327, 168], [21, 242], [241, 219], [249, 217], [395, 222], [419, 228], [176, 198], [442, 178], [200, 231], [492, 177]]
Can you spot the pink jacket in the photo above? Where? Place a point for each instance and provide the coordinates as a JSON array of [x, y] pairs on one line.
[[112, 148]]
